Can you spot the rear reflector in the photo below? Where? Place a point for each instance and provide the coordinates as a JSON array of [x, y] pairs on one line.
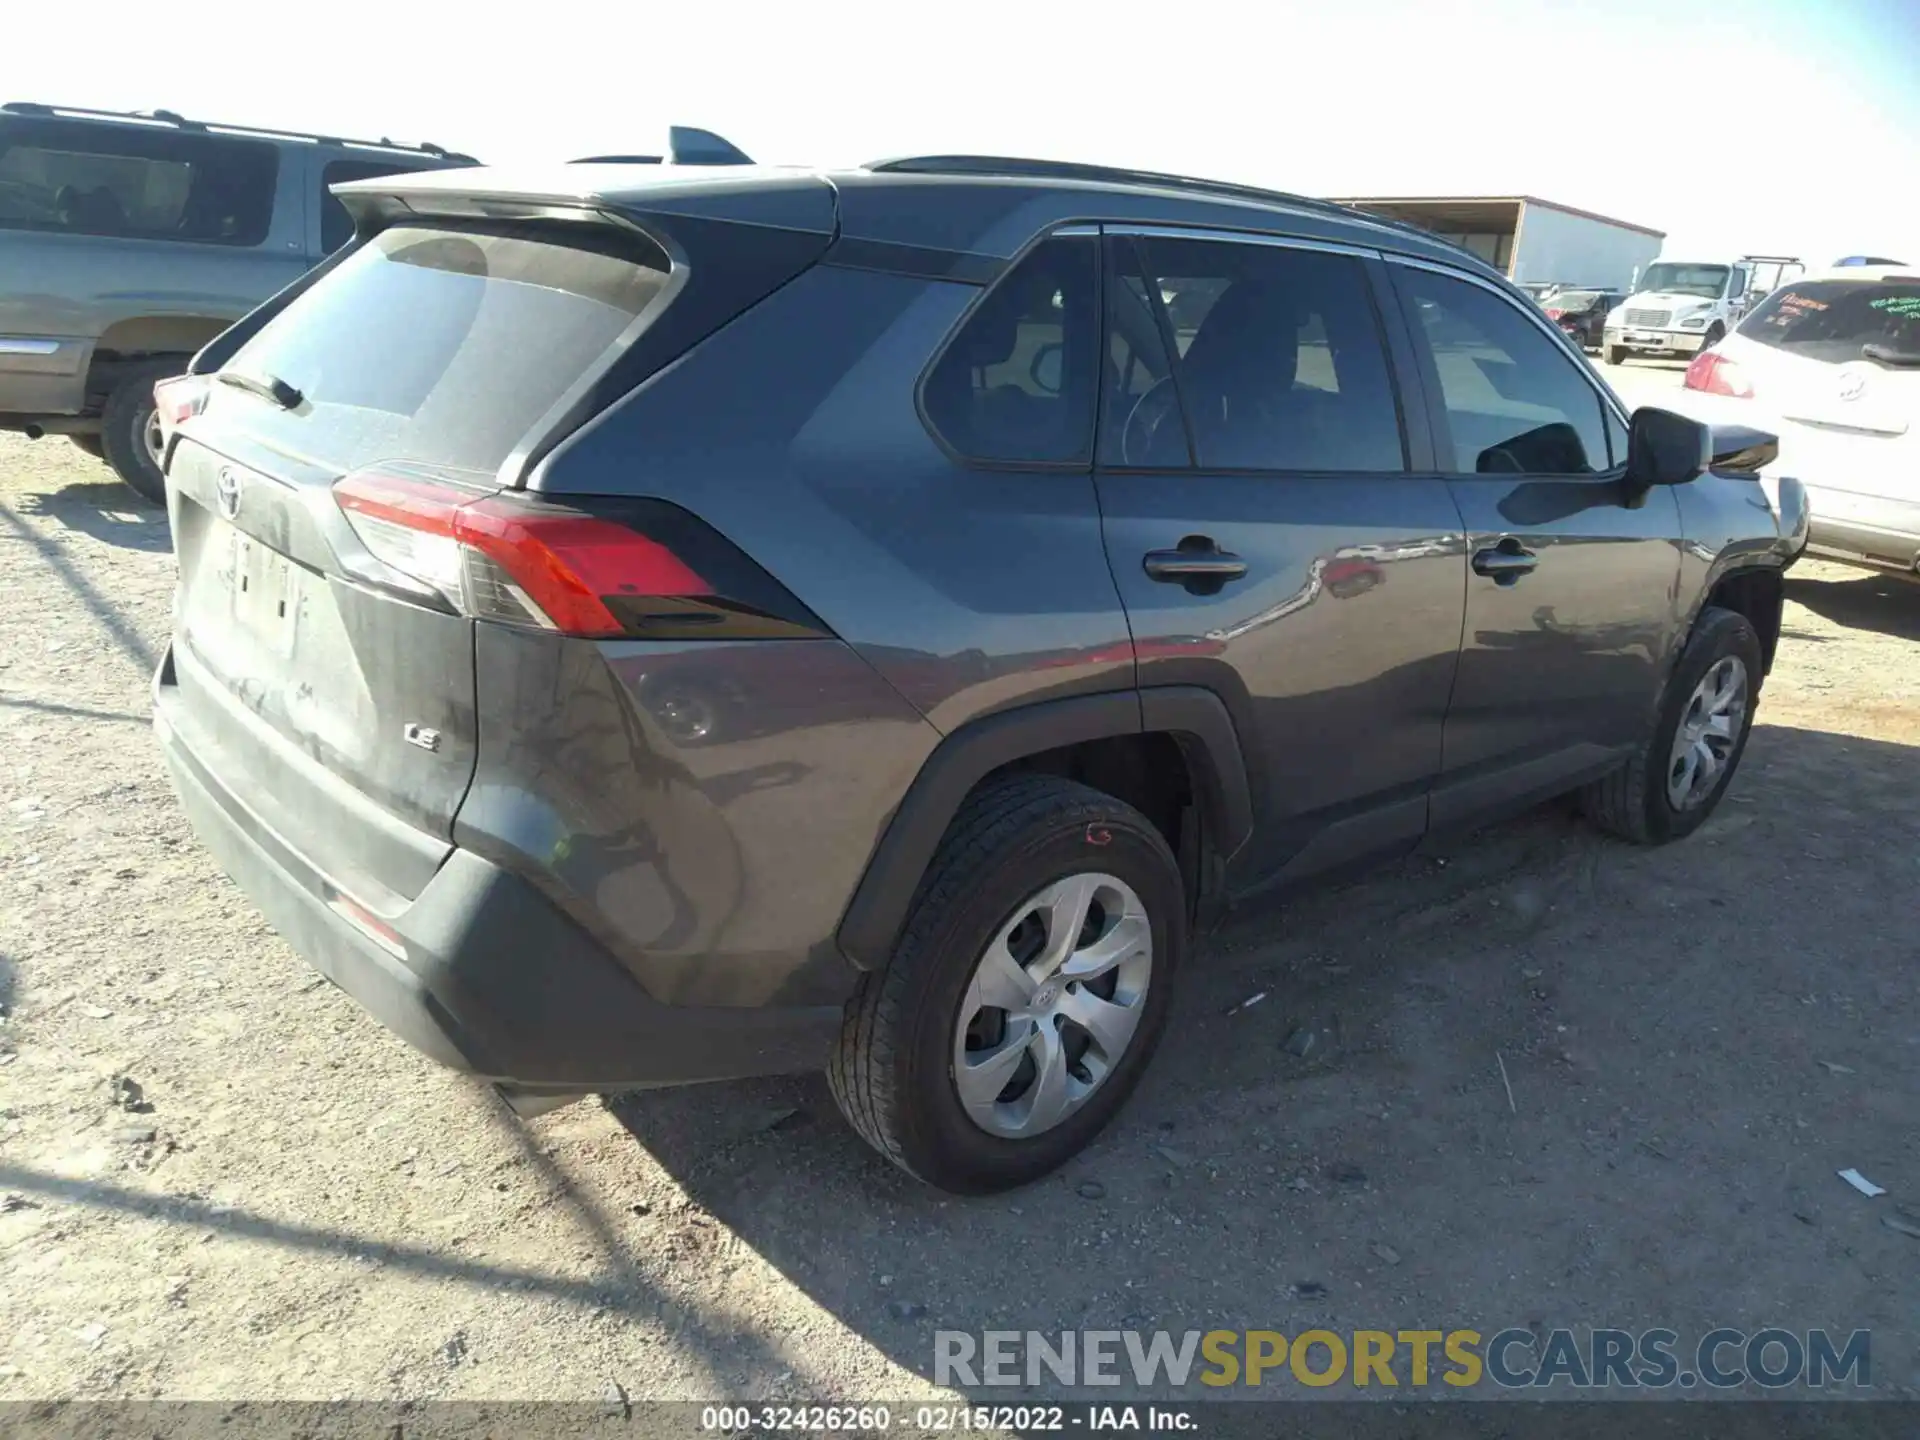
[[1715, 374], [635, 568], [368, 924]]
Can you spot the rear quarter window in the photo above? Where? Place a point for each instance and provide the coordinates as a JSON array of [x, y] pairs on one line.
[[1016, 383], [1837, 320], [440, 345], [135, 182]]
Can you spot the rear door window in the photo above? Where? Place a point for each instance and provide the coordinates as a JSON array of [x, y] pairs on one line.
[[441, 345], [1278, 360], [1841, 320], [135, 181], [1016, 383], [336, 225]]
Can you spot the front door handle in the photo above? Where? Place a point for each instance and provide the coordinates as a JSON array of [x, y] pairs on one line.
[[1506, 562], [1198, 563]]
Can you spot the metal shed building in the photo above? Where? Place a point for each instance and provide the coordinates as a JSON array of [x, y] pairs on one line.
[[1531, 239]]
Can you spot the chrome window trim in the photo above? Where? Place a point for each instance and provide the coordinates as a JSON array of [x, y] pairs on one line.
[[1554, 333], [1150, 231], [23, 345]]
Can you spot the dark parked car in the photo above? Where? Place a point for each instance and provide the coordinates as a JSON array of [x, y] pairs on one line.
[[1581, 313], [639, 626], [127, 241]]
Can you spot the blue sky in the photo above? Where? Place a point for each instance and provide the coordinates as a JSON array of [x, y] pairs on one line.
[[1786, 126]]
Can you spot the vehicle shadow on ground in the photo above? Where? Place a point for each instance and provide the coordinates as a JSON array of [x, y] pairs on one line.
[[1884, 604], [108, 511], [1473, 1086]]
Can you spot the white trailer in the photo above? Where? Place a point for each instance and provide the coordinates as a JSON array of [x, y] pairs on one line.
[[1533, 241]]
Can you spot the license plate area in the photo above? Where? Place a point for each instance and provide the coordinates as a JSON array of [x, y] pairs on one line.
[[1641, 337], [261, 592]]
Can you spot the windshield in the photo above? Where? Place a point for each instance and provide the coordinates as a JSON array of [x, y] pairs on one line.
[[1706, 281], [1841, 320]]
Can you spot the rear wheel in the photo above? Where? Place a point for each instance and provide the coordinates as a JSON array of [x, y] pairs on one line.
[[130, 429], [1675, 782], [1027, 992]]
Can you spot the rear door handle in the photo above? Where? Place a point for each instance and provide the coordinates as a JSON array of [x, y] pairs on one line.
[[1197, 561], [1506, 562]]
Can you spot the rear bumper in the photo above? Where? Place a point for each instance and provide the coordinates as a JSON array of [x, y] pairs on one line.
[[484, 974]]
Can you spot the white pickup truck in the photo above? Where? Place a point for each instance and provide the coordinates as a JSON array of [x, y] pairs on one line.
[[1680, 308]]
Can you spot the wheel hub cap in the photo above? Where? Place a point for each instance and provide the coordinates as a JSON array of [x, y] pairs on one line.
[[1052, 1005], [1709, 729]]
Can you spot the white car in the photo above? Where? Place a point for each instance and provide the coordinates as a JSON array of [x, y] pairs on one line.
[[1830, 363]]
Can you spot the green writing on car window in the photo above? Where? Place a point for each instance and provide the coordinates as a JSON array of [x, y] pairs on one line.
[[1903, 305]]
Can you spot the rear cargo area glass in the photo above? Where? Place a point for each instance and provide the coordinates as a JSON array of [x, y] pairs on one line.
[[1835, 320], [442, 345]]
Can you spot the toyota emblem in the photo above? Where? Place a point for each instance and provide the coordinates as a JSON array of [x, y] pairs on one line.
[[1853, 385], [227, 491]]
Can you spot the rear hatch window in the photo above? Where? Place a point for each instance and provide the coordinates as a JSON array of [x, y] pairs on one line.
[[441, 345], [1841, 320]]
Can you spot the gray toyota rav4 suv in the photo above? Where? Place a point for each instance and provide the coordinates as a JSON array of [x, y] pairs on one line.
[[642, 625]]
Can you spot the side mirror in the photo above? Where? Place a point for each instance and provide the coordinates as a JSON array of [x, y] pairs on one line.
[[1742, 450], [1666, 449]]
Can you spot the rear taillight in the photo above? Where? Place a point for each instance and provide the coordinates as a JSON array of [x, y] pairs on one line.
[[1555, 314], [178, 399], [643, 568], [1717, 375]]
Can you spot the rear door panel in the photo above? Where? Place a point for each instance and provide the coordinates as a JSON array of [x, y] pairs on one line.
[[1336, 650]]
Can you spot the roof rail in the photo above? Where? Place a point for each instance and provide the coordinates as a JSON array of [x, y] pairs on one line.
[[991, 165], [174, 120]]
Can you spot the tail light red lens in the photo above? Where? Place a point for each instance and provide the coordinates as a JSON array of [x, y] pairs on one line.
[[649, 569], [1555, 314], [1715, 374], [179, 399]]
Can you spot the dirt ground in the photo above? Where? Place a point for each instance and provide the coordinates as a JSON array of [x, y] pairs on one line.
[[293, 1204]]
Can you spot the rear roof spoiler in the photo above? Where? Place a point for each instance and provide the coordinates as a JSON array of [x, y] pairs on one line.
[[685, 146]]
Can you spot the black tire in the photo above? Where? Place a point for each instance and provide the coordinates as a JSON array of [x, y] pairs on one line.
[[1632, 802], [123, 428], [90, 444], [1616, 355], [1715, 334], [892, 1070]]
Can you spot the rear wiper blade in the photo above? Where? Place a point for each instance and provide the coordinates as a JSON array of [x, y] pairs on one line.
[[1887, 355], [267, 387]]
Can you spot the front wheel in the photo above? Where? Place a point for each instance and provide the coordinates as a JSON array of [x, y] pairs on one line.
[[1715, 334], [1616, 355], [1026, 994], [1675, 782]]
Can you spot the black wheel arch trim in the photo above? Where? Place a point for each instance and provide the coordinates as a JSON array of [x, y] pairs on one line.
[[1195, 717]]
